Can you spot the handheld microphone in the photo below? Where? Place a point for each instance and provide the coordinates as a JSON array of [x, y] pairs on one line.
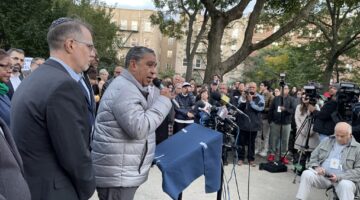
[[158, 83], [225, 100]]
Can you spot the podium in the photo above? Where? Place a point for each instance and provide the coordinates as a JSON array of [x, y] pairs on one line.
[[185, 156]]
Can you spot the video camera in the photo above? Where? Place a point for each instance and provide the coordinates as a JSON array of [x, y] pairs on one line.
[[312, 93], [347, 96], [282, 79]]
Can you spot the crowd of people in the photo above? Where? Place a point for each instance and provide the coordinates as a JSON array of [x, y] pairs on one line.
[[67, 130]]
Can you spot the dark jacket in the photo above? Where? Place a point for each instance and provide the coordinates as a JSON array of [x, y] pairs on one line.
[[52, 132], [284, 117], [12, 183], [5, 108], [253, 109], [185, 103], [324, 119]]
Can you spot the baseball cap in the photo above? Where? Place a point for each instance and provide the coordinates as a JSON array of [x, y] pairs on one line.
[[185, 84]]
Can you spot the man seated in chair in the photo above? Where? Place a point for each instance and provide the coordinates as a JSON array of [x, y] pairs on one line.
[[335, 162]]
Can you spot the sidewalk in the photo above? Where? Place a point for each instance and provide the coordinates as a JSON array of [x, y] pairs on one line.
[[263, 186]]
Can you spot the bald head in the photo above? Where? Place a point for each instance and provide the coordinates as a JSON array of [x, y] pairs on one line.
[[343, 132]]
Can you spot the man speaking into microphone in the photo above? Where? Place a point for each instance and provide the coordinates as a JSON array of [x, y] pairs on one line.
[[124, 137]]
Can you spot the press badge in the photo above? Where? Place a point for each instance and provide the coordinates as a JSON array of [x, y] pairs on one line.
[[334, 163], [279, 109]]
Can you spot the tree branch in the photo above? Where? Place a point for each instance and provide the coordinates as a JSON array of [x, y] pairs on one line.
[[237, 11], [210, 6], [183, 7], [322, 28], [344, 47], [201, 32], [249, 32], [304, 12]]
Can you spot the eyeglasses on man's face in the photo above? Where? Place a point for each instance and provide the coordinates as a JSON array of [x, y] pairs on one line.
[[6, 66], [90, 46]]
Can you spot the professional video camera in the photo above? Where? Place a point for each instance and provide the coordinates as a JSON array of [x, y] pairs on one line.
[[282, 79], [311, 92], [347, 97]]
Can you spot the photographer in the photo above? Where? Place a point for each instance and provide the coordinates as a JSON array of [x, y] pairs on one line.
[[324, 119], [252, 106], [307, 140]]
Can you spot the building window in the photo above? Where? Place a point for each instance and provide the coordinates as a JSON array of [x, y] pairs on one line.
[[259, 28], [146, 42], [133, 42], [169, 54], [184, 62], [198, 63], [134, 25], [147, 26], [123, 24], [233, 47], [168, 66], [171, 41], [235, 33]]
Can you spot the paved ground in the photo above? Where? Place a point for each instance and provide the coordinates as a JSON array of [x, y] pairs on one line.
[[263, 186]]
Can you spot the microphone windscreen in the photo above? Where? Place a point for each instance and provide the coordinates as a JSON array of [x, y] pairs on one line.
[[200, 104], [157, 82], [216, 96]]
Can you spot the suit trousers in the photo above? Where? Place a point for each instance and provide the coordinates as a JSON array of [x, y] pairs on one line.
[[345, 189], [116, 193], [247, 138]]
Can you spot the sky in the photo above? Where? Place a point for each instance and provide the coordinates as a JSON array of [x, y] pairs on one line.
[[148, 4]]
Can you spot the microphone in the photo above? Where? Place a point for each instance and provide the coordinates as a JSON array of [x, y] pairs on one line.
[[225, 100], [158, 83]]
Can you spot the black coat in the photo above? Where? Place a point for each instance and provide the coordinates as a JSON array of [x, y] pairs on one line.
[[52, 131], [324, 119], [12, 183], [284, 117]]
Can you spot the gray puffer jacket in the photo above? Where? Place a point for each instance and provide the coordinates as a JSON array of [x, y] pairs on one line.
[[124, 138]]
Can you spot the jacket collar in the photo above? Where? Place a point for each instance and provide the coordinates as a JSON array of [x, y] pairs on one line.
[[353, 142], [127, 75]]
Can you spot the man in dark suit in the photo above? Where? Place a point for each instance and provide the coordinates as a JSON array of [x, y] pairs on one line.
[[12, 183], [50, 109]]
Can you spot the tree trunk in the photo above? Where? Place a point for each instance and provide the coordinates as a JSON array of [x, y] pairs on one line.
[[189, 68], [328, 71], [214, 49]]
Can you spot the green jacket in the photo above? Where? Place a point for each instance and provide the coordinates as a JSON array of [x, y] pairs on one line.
[[350, 159]]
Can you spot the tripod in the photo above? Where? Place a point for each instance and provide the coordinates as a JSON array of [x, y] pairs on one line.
[[231, 144], [304, 149]]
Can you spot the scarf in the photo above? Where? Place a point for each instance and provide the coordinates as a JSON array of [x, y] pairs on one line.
[[4, 89]]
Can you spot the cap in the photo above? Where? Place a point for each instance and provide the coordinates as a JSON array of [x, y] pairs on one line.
[[185, 84]]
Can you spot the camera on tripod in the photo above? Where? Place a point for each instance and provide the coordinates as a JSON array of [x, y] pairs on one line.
[[282, 79], [311, 92], [347, 96]]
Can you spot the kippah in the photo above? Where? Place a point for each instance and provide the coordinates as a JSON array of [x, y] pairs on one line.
[[59, 21]]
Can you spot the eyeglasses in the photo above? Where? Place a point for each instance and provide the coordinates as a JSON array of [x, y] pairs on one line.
[[90, 46], [6, 66]]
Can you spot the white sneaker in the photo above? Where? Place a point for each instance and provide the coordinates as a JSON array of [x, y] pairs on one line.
[[263, 153]]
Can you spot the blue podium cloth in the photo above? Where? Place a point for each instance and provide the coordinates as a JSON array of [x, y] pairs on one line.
[[192, 152]]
